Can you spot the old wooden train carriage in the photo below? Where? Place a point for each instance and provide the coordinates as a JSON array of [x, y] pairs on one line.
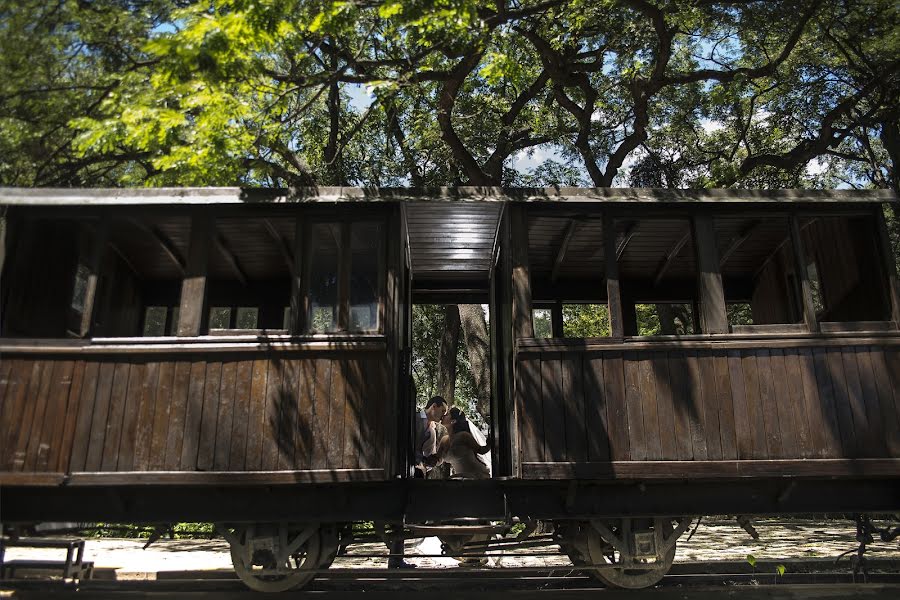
[[243, 357]]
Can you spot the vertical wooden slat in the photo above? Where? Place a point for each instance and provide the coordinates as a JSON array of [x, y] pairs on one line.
[[162, 408], [144, 429], [876, 442], [742, 423], [819, 433], [31, 446], [271, 428], [613, 290], [889, 401], [320, 423], [179, 400], [7, 385], [797, 402], [725, 404], [665, 406], [649, 409], [14, 406], [552, 409], [769, 404], [573, 397], [64, 455], [353, 413], [522, 324], [192, 307], [55, 417], [243, 422], [256, 422], [637, 441], [22, 413], [292, 428], [861, 430], [94, 457], [225, 416], [682, 400], [133, 396], [783, 404], [193, 416], [698, 410], [595, 409], [710, 293], [382, 444], [117, 400], [209, 428], [711, 427], [307, 431], [835, 365], [826, 392], [614, 380], [82, 435], [531, 422], [335, 450], [755, 407]]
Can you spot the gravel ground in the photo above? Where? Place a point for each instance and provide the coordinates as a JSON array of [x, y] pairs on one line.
[[715, 539]]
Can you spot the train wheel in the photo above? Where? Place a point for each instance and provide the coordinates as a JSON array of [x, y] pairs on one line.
[[640, 551], [274, 557]]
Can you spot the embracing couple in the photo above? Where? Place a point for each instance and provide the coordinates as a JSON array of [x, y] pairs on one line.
[[463, 447]]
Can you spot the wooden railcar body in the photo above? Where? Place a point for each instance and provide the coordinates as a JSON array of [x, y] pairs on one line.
[[301, 418]]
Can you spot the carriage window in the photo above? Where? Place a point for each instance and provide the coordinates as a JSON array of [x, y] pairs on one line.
[[665, 318], [543, 322], [757, 262], [658, 269], [250, 273], [365, 270], [324, 278], [585, 320], [220, 317], [845, 268], [346, 277], [43, 302], [155, 321]]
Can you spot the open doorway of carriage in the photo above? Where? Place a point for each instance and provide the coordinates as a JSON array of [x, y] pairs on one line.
[[452, 258], [451, 358]]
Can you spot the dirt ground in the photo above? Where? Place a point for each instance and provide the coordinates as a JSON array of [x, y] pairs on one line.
[[715, 539]]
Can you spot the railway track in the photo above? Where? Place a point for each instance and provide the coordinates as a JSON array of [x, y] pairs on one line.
[[803, 579]]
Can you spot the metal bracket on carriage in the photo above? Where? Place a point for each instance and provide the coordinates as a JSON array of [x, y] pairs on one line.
[[158, 532], [746, 524]]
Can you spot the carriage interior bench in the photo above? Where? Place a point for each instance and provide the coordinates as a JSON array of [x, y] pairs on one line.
[[74, 567]]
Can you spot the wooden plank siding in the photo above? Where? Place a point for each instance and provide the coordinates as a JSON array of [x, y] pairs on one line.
[[319, 412], [702, 405]]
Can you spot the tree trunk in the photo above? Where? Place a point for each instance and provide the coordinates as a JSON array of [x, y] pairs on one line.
[[475, 332], [446, 376]]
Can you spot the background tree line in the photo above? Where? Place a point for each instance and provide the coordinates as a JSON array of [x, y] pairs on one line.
[[656, 93]]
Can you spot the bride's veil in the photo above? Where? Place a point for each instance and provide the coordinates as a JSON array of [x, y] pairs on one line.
[[479, 437]]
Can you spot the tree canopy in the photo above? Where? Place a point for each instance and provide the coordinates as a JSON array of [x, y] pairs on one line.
[[662, 93]]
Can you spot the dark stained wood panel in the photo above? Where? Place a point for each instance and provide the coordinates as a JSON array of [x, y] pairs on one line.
[[723, 407], [573, 400], [129, 415]]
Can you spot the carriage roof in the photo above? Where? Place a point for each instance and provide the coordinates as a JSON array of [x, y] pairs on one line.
[[560, 195]]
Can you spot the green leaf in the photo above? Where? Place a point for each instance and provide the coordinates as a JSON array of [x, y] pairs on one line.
[[780, 570], [752, 560]]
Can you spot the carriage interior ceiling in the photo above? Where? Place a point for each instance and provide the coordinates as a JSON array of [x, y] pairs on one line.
[[228, 336]]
